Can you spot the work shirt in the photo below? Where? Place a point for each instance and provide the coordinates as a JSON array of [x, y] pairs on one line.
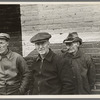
[[14, 74], [51, 75]]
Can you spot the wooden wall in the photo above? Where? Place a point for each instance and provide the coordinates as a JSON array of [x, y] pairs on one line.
[[59, 20]]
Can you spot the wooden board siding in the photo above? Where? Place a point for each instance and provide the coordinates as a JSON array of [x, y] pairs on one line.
[[59, 20]]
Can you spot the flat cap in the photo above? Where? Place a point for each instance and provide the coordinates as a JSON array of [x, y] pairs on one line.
[[40, 37], [4, 36]]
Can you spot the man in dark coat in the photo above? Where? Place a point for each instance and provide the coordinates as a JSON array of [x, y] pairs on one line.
[[14, 73], [82, 64], [51, 75]]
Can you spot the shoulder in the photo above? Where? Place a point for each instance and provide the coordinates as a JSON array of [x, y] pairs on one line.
[[85, 56], [65, 58], [31, 59], [12, 54], [56, 57], [63, 61], [15, 54]]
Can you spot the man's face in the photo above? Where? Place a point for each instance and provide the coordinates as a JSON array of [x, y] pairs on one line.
[[72, 47], [3, 45], [42, 47]]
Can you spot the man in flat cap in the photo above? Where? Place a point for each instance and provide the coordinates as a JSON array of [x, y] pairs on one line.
[[50, 74], [14, 73], [82, 64]]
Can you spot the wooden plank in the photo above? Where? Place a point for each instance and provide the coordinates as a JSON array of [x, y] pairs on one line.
[[95, 44], [91, 50], [97, 76], [96, 60], [96, 91], [97, 66], [98, 71]]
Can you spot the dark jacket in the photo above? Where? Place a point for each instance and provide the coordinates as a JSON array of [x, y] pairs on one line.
[[52, 75], [14, 74], [84, 71]]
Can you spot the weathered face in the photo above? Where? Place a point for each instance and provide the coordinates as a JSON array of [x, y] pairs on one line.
[[3, 45], [42, 47], [72, 47]]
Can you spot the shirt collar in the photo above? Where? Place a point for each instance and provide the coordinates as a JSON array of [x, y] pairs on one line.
[[7, 55], [48, 56]]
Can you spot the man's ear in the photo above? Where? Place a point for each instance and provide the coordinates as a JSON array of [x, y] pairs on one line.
[[7, 43], [48, 42], [78, 44]]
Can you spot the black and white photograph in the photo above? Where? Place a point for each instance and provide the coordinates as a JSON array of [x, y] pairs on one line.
[[50, 49]]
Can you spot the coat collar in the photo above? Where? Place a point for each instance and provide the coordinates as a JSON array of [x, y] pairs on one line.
[[8, 54], [48, 56]]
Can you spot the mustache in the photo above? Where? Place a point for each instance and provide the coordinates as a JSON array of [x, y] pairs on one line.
[[64, 50], [41, 49]]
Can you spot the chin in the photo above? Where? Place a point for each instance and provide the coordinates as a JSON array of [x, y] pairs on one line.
[[42, 53], [71, 51], [1, 52]]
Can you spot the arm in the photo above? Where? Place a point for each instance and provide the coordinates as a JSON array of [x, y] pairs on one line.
[[25, 74], [67, 77], [91, 72]]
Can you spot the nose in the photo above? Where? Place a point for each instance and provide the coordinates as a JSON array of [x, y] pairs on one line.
[[67, 47], [40, 46], [0, 46]]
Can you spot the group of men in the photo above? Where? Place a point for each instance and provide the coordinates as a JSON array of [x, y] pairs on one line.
[[72, 72]]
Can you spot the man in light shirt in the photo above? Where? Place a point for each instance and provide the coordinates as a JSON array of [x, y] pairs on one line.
[[14, 73]]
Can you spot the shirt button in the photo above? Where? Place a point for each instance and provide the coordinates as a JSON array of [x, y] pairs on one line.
[[39, 72], [74, 77], [38, 82]]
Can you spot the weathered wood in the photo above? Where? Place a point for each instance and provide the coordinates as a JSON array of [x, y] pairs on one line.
[[59, 20]]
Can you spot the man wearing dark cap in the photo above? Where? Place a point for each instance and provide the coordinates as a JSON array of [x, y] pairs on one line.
[[14, 73], [82, 64], [50, 74]]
